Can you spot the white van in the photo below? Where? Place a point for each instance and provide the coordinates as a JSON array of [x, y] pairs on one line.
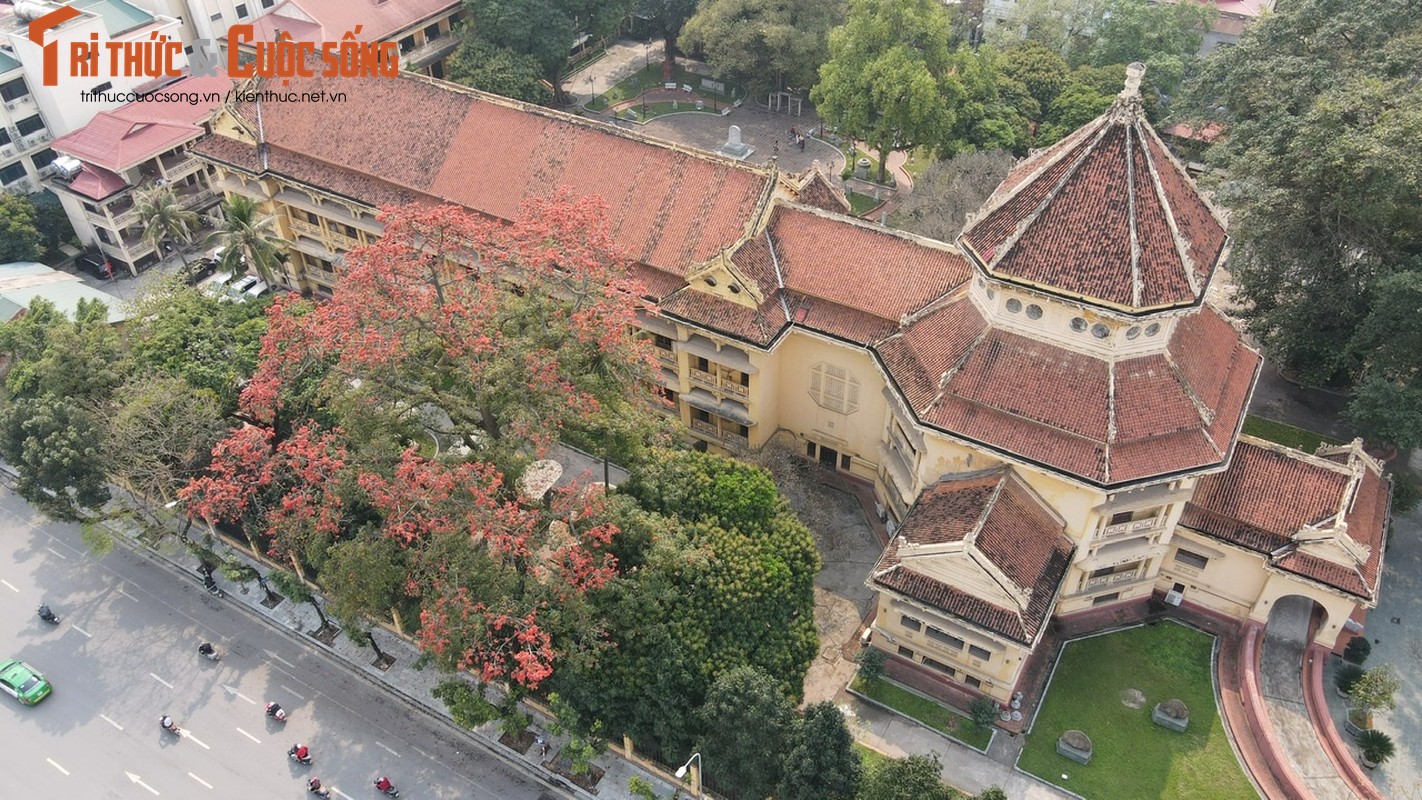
[[216, 285], [238, 289], [256, 290]]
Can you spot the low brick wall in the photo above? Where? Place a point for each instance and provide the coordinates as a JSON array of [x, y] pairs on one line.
[[1338, 751]]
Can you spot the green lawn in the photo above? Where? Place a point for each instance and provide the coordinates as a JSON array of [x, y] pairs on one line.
[[1287, 435], [918, 160], [862, 203], [869, 757], [934, 715], [1132, 756], [650, 77]]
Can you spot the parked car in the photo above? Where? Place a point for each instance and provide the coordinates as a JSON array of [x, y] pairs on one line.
[[197, 270], [93, 263], [23, 682], [239, 287], [256, 290], [216, 286]]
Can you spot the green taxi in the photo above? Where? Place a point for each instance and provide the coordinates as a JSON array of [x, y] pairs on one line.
[[23, 682]]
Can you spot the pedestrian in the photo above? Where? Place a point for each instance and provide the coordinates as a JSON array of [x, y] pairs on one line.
[[802, 144]]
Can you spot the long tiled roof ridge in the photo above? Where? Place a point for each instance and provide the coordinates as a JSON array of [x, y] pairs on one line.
[[1107, 216]]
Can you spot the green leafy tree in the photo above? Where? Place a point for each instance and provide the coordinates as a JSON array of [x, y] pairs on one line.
[[992, 793], [490, 68], [1163, 36], [77, 359], [1065, 27], [767, 45], [947, 191], [365, 576], [888, 81], [1077, 105], [748, 723], [1040, 69], [984, 711], [294, 587], [466, 703], [992, 114], [19, 235], [51, 221], [249, 240], [1386, 404], [544, 29], [165, 220], [1322, 107], [822, 763], [57, 446], [916, 777], [668, 17], [585, 737]]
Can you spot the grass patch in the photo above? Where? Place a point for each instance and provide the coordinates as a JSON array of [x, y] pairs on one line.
[[1284, 434], [918, 160], [934, 715], [650, 77], [870, 758], [647, 111], [862, 203], [1132, 756]]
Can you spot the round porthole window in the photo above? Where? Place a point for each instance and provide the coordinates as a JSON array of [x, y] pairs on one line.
[[1034, 311], [1133, 331], [1100, 330], [1152, 329], [1078, 324], [1014, 305]]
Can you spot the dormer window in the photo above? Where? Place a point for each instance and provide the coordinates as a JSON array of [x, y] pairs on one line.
[[1133, 331], [735, 288], [1152, 329], [710, 281], [1100, 330]]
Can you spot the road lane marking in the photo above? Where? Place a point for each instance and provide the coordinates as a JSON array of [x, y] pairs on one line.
[[10, 585], [160, 680], [55, 764], [196, 741], [423, 753], [341, 793], [249, 736], [288, 690], [200, 780], [126, 594], [111, 722], [387, 749], [233, 690], [56, 552], [279, 658], [81, 630], [139, 781]]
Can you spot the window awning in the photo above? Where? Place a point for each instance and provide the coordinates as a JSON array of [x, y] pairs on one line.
[[729, 356], [1122, 553], [299, 199], [669, 379], [656, 324], [726, 409], [311, 247]]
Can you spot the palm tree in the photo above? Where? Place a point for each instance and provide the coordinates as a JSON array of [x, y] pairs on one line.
[[249, 239], [165, 219]]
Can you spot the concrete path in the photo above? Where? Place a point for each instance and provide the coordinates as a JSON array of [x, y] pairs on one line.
[[1281, 684]]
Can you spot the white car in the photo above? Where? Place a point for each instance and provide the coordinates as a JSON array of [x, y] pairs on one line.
[[215, 285], [256, 290], [238, 289]]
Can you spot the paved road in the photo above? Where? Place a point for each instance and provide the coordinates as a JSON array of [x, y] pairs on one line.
[[125, 652]]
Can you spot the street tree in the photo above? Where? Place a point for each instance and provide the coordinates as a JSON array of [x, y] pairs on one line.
[[50, 354], [766, 45], [483, 65], [947, 191], [888, 80], [19, 232], [668, 17], [166, 222], [249, 240], [56, 444], [547, 30], [748, 723], [822, 763], [916, 777], [1322, 107], [366, 575]]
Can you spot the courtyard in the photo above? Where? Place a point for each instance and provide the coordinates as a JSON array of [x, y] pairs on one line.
[[1107, 686]]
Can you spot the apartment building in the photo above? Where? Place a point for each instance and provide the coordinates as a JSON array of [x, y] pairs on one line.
[[24, 136], [1048, 410], [140, 145]]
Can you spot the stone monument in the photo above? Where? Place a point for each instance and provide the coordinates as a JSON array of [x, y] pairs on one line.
[[734, 147]]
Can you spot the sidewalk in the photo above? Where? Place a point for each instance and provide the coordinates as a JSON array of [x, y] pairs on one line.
[[413, 685]]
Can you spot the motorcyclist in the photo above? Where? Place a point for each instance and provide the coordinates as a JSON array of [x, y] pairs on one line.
[[300, 752], [206, 649], [383, 784], [167, 723], [45, 614], [275, 711], [314, 786]]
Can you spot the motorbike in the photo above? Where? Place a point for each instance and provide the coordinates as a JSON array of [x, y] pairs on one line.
[[386, 787], [276, 712], [47, 615], [211, 585], [166, 723], [314, 786], [292, 754], [207, 651]]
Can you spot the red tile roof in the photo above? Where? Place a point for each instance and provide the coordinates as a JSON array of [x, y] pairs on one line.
[[1002, 520], [668, 207], [127, 136], [1107, 422], [1107, 215], [329, 20], [1270, 493], [97, 182]]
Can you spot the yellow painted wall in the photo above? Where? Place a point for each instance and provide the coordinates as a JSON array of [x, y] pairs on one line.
[[998, 674]]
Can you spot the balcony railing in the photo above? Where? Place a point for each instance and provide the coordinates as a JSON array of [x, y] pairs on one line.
[[1113, 579], [323, 276], [175, 165], [721, 384], [1126, 528], [710, 429], [314, 231], [667, 357]]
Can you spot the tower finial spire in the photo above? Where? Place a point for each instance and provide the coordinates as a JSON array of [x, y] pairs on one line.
[[1135, 71]]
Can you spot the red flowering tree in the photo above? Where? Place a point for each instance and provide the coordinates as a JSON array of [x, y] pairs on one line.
[[464, 328]]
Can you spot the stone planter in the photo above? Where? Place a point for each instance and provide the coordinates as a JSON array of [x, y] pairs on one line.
[[1172, 714], [1355, 723], [1076, 746]]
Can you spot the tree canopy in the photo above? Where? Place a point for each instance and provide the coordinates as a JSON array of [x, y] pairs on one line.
[[545, 30], [822, 763], [768, 45], [947, 191], [1322, 108], [488, 67], [19, 232]]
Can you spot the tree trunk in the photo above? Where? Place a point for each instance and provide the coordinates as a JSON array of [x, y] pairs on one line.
[[370, 637], [669, 59], [883, 164], [398, 620], [325, 623]]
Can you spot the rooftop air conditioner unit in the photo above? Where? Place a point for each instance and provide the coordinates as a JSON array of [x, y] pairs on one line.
[[1174, 598], [67, 167]]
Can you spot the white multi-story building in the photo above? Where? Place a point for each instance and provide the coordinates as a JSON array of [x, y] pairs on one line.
[[207, 19], [71, 103], [24, 137]]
